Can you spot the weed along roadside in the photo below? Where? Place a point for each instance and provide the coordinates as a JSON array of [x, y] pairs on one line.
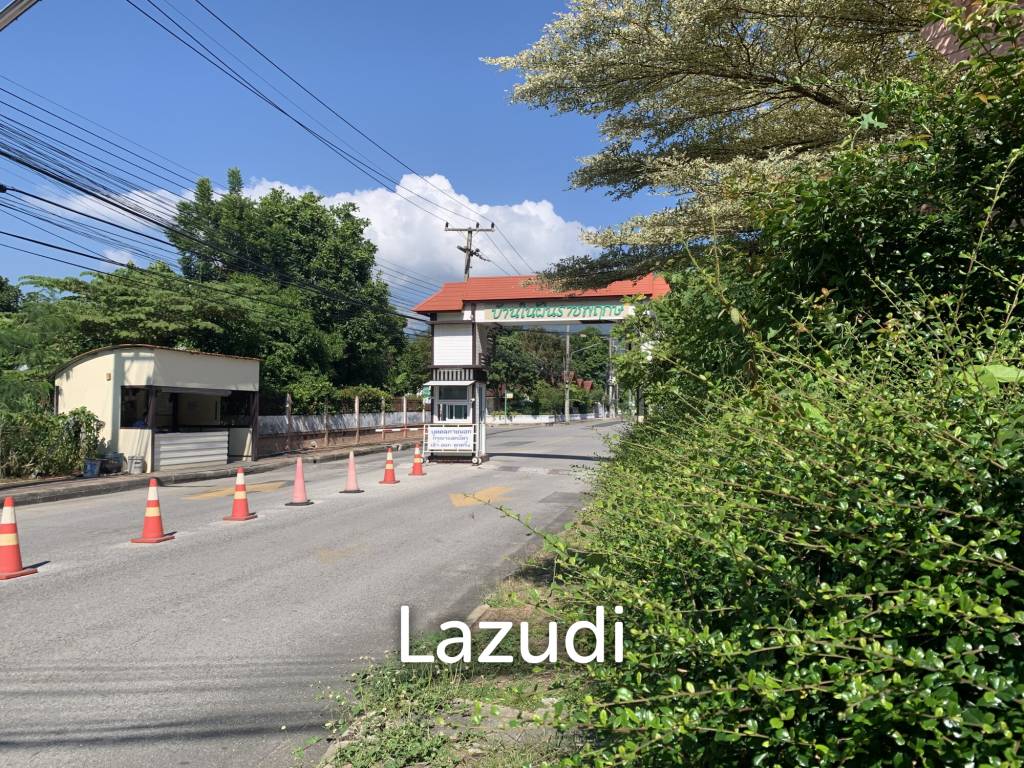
[[464, 710]]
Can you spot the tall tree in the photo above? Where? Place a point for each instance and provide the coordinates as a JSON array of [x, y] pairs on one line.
[[412, 368], [10, 296], [300, 242], [706, 100]]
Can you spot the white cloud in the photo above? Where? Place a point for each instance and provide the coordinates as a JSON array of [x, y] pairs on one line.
[[414, 252], [414, 248], [121, 257], [158, 204]]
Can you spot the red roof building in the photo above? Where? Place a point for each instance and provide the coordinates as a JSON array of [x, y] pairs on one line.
[[454, 296]]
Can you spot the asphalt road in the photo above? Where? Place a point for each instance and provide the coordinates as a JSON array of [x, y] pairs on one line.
[[209, 650]]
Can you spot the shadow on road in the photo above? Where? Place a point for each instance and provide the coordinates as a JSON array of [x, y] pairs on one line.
[[562, 456]]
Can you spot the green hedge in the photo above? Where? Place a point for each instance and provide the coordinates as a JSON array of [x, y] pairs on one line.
[[823, 568], [36, 443]]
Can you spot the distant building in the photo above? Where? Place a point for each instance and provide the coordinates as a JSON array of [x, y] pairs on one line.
[[942, 39]]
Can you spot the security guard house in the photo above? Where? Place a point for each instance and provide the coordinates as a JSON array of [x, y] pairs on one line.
[[461, 316], [169, 407]]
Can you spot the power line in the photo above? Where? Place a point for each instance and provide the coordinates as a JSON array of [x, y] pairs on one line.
[[362, 133], [193, 283], [109, 130], [374, 174], [125, 187], [129, 248], [166, 225]]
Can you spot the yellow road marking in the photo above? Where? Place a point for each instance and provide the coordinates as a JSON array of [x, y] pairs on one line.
[[328, 556], [491, 495], [230, 490]]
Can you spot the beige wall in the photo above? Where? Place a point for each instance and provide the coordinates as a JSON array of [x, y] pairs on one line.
[[240, 442], [91, 384], [174, 368]]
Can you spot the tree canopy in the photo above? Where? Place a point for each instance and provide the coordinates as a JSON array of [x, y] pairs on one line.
[[706, 101], [10, 296], [283, 278]]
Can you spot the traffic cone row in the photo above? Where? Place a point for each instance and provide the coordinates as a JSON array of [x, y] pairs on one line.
[[11, 565]]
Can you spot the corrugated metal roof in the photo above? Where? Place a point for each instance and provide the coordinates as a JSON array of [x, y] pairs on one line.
[[453, 296]]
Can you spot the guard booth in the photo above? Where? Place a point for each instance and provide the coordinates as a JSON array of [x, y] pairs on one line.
[[169, 407], [461, 316]]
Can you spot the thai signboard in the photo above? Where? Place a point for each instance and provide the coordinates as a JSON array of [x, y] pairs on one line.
[[442, 438], [553, 311]]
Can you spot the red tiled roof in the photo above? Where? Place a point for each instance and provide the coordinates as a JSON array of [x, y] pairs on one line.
[[452, 296]]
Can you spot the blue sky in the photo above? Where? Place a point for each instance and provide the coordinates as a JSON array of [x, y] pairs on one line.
[[407, 73]]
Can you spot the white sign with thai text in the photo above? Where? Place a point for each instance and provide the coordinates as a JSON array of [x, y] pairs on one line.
[[450, 439]]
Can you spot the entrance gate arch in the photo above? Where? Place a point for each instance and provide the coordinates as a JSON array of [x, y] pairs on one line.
[[462, 313]]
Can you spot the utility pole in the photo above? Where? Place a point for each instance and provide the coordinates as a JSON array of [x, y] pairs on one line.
[[468, 248], [13, 10], [608, 378], [566, 373]]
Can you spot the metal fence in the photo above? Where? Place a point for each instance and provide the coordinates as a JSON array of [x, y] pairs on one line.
[[280, 433]]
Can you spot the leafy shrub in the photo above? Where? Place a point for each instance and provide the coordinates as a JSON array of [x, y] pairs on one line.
[[370, 398], [35, 442], [908, 208], [823, 567]]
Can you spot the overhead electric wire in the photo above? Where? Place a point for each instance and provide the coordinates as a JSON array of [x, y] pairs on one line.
[[132, 245], [212, 58], [127, 248], [204, 285], [369, 170], [109, 130], [183, 233], [362, 133], [129, 189], [84, 141], [309, 288], [64, 156]]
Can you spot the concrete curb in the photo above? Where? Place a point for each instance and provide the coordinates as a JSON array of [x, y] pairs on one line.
[[74, 489]]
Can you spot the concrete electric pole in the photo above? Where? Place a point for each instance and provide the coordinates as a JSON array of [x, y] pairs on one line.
[[468, 248], [566, 372], [13, 10]]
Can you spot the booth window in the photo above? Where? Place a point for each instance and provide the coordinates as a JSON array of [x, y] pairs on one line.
[[134, 407], [454, 411], [236, 409], [452, 393], [453, 403]]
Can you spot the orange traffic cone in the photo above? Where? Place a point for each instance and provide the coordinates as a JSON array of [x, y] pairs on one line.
[[11, 566], [417, 463], [152, 523], [352, 486], [389, 470], [299, 497], [240, 507]]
